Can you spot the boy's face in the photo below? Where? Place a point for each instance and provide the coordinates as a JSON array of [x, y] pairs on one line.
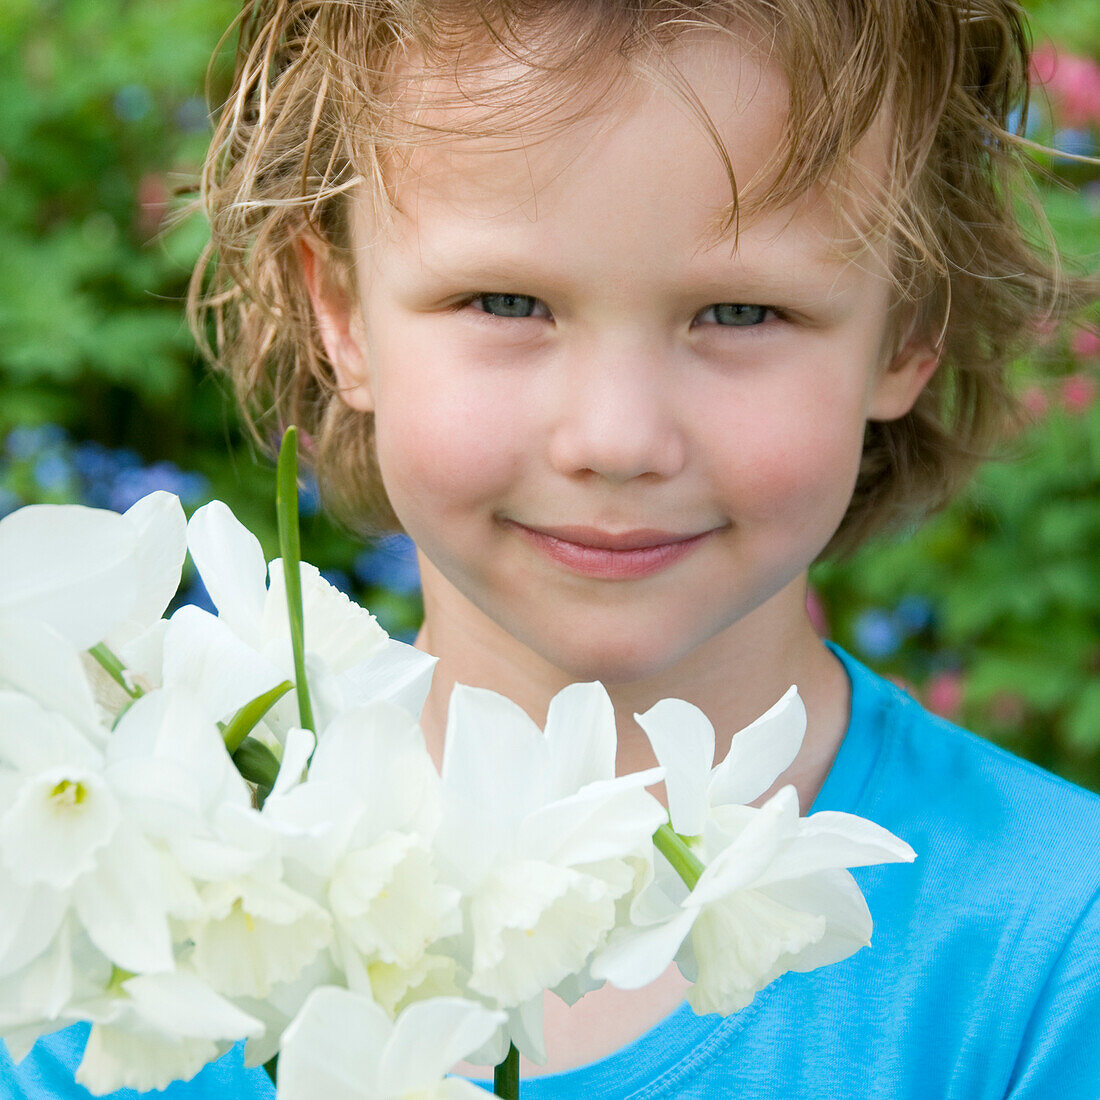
[[636, 437]]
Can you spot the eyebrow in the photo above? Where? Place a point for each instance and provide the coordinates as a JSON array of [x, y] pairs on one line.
[[476, 263]]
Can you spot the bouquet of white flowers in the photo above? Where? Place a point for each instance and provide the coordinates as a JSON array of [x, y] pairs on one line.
[[216, 827]]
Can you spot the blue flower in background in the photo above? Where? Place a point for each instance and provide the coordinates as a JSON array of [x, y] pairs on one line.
[[391, 564], [877, 634], [130, 485], [309, 497], [25, 443], [914, 613], [52, 471], [133, 103], [94, 462], [197, 596], [1032, 124], [192, 116], [9, 501], [339, 579], [1078, 143], [97, 467]]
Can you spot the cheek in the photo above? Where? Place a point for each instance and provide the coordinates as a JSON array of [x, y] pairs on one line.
[[442, 446], [791, 453]]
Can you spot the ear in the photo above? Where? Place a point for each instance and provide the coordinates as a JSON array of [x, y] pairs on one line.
[[899, 385], [340, 324]]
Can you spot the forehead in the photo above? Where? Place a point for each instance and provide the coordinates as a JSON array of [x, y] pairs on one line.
[[662, 146]]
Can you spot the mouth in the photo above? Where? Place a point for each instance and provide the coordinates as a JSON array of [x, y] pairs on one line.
[[625, 555]]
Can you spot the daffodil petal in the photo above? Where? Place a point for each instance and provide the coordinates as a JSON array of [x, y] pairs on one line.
[[39, 992], [494, 758], [534, 924], [231, 562], [296, 752], [166, 733], [580, 738], [830, 840], [161, 530], [70, 567], [121, 908], [204, 656], [835, 896], [525, 1030], [760, 753], [38, 661], [117, 1057], [750, 854], [428, 1038], [604, 820], [58, 826], [332, 1047], [32, 917], [634, 958], [397, 673], [683, 740], [179, 1003], [33, 739]]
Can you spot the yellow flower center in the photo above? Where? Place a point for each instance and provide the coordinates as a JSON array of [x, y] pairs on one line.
[[68, 793]]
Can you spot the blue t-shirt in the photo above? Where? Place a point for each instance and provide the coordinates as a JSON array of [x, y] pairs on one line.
[[982, 981]]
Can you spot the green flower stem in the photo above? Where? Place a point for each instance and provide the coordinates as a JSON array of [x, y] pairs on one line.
[[290, 549], [258, 764], [114, 668], [675, 849], [246, 719], [506, 1075]]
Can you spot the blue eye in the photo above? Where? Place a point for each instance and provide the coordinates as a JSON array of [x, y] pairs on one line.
[[735, 314], [506, 305]]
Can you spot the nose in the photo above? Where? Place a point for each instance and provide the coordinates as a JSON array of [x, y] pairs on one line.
[[617, 417]]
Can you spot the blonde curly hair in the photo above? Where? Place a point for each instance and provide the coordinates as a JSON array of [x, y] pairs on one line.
[[320, 107]]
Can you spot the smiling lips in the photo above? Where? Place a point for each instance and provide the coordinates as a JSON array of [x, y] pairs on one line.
[[627, 556]]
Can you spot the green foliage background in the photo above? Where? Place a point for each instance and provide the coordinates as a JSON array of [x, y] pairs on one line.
[[101, 118]]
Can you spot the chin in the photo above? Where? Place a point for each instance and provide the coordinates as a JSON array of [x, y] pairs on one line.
[[613, 661]]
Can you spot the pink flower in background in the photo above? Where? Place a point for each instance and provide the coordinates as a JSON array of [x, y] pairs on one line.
[[1044, 63], [1073, 84], [944, 694], [1078, 392], [815, 608], [153, 199], [1035, 402], [1085, 344]]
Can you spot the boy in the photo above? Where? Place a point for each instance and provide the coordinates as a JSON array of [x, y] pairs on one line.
[[626, 313]]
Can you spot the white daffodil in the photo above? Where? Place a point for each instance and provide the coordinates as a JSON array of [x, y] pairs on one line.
[[40, 997], [72, 577], [250, 930], [160, 533], [343, 1046], [350, 658], [65, 844], [85, 571], [539, 836], [167, 760], [282, 1003], [254, 933], [358, 837], [153, 1029], [775, 894]]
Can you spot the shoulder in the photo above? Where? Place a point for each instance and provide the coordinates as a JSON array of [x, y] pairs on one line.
[[993, 822]]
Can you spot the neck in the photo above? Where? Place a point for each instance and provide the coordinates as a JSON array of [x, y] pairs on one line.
[[733, 679]]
